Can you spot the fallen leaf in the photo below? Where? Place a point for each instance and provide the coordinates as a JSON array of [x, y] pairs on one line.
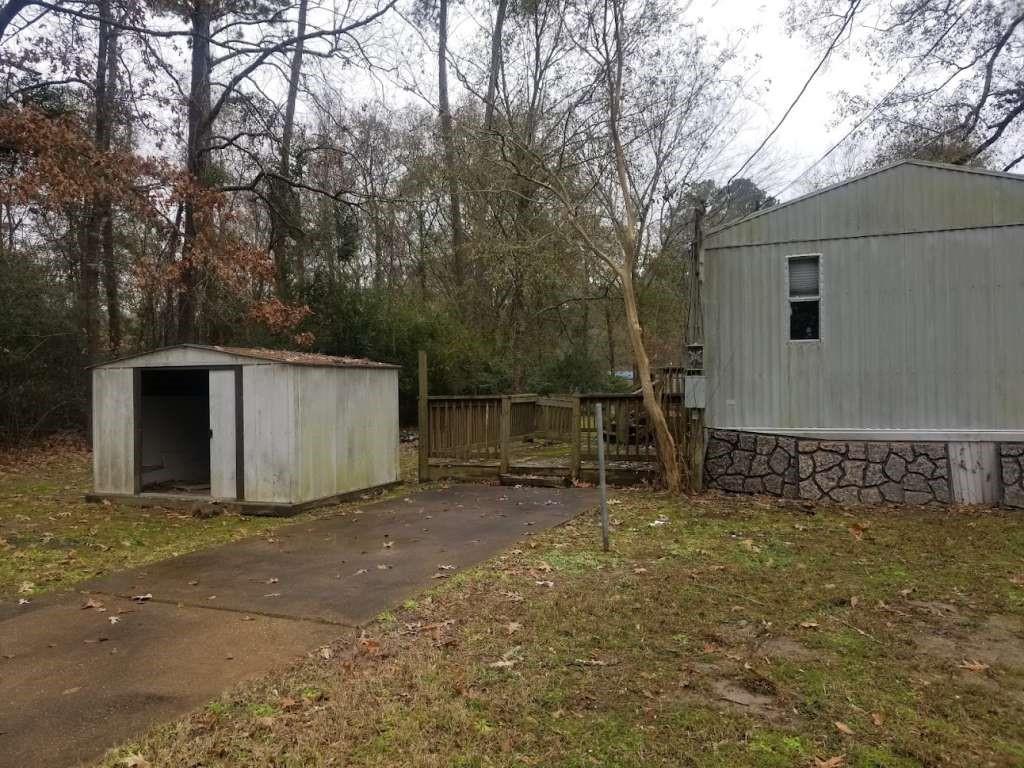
[[512, 627], [544, 583], [383, 567], [973, 665], [446, 567], [360, 572], [23, 601], [326, 653], [26, 587], [142, 598], [590, 662], [92, 602], [857, 530], [832, 762], [368, 645], [749, 544], [509, 659], [809, 624], [877, 719], [843, 727], [134, 761], [639, 569], [854, 601]]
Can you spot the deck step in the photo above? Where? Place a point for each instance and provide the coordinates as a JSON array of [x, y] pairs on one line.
[[534, 481]]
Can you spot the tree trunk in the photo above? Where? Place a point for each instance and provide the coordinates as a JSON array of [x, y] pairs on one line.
[[495, 68], [283, 214], [197, 162], [663, 440], [103, 213], [448, 144]]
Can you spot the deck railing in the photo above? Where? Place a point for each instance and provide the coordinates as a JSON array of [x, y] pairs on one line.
[[481, 429]]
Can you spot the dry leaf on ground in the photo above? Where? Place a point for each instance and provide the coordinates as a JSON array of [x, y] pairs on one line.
[[843, 727], [973, 665]]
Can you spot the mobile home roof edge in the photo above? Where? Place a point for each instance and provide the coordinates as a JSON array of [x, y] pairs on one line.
[[861, 177]]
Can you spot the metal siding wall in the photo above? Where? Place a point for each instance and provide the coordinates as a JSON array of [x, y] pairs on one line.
[[113, 427], [347, 430], [919, 332], [222, 441], [906, 198], [270, 458]]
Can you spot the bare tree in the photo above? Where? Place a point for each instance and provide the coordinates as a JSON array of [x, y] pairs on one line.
[[629, 134], [959, 95]]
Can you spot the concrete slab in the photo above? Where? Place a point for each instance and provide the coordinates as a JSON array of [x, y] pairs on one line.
[[73, 684], [346, 569]]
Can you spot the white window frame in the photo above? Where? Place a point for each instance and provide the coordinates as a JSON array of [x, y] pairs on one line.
[[820, 298]]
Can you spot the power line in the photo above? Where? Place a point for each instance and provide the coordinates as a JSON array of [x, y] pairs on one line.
[[873, 109], [854, 4]]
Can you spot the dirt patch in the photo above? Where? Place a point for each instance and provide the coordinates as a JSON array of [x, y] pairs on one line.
[[998, 641], [789, 650], [738, 694]]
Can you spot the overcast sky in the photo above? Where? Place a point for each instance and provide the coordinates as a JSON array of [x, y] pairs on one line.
[[785, 64]]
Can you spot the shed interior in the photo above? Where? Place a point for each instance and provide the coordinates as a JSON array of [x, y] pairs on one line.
[[175, 434]]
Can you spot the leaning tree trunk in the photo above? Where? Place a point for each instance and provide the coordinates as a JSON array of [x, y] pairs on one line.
[[664, 443], [197, 163]]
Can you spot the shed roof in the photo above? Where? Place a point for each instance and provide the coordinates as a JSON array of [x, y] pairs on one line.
[[906, 196], [286, 356]]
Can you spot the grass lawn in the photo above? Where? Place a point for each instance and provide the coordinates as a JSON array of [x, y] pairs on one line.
[[50, 538], [719, 632]]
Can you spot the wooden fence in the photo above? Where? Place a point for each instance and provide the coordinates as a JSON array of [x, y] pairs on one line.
[[477, 432]]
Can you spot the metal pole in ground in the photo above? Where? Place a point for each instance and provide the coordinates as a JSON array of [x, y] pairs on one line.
[[598, 417]]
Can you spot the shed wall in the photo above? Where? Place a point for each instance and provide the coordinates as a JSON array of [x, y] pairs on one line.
[[347, 430], [183, 356], [113, 427], [919, 332], [269, 444]]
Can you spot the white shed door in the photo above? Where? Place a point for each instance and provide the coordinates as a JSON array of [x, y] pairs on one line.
[[223, 448], [974, 471]]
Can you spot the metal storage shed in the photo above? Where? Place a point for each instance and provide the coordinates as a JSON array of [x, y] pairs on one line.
[[269, 430], [882, 316]]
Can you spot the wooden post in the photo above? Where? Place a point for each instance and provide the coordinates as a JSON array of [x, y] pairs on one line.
[[600, 475], [574, 435], [424, 422], [694, 363], [505, 437]]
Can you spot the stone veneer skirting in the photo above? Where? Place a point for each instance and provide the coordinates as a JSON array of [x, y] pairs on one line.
[[1011, 461], [846, 472]]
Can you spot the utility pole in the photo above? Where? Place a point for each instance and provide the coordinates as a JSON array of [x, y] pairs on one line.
[[694, 386]]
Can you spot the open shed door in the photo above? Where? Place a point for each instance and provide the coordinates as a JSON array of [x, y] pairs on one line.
[[226, 472]]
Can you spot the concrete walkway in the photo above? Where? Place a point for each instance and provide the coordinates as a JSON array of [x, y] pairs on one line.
[[73, 684]]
